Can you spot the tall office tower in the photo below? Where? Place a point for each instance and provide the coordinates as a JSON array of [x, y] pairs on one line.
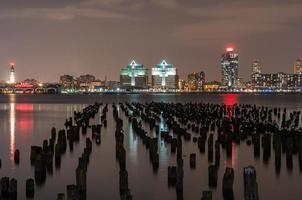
[[256, 73], [164, 76], [196, 81], [298, 66], [134, 76], [229, 68], [12, 76]]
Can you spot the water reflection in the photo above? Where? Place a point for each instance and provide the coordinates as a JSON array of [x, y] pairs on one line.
[[20, 120], [12, 124], [25, 118], [133, 144], [230, 99]]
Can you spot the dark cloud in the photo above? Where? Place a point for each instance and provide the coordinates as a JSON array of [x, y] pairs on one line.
[[100, 36]]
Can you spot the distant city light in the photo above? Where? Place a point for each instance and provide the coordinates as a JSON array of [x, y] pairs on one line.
[[24, 85], [230, 49]]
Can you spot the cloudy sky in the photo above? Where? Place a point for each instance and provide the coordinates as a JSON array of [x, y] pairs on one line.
[[53, 37]]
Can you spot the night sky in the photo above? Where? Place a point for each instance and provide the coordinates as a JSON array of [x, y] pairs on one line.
[[47, 38]]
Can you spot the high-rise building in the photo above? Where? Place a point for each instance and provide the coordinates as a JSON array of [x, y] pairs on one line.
[[134, 76], [196, 81], [229, 68], [298, 66], [256, 73], [12, 78], [164, 76]]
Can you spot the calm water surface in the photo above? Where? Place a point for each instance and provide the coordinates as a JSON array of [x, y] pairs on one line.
[[26, 120]]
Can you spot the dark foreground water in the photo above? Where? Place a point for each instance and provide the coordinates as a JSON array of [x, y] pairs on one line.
[[26, 120]]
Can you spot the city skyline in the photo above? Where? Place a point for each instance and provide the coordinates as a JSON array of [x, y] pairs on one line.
[[100, 36], [229, 49]]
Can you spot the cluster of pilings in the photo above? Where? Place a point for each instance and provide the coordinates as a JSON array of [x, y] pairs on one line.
[[261, 127], [151, 144], [271, 132], [175, 173], [125, 192], [78, 190], [42, 157], [8, 188]]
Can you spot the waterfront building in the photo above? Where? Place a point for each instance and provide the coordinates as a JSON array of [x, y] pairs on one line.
[[87, 78], [196, 81], [256, 73], [96, 86], [31, 81], [69, 82], [12, 76], [211, 86], [298, 66], [229, 68], [113, 85], [181, 84], [265, 81], [134, 76], [280, 81], [164, 76]]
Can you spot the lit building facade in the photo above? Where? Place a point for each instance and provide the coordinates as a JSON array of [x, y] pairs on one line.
[[211, 86], [181, 84], [69, 82], [256, 73], [196, 81], [87, 78], [298, 66], [229, 68], [12, 76], [164, 76], [134, 76], [279, 81]]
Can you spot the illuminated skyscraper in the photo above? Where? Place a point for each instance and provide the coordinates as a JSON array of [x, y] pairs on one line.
[[298, 66], [164, 76], [134, 76], [256, 73], [12, 78], [229, 68]]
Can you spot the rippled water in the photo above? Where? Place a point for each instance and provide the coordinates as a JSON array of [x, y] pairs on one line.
[[27, 120]]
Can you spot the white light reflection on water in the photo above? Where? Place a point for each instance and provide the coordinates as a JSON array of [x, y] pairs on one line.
[[133, 144], [12, 126]]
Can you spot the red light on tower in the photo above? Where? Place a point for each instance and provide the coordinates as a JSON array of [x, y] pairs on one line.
[[230, 49], [12, 64]]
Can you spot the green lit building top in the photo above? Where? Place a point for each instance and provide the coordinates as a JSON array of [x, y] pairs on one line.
[[134, 76]]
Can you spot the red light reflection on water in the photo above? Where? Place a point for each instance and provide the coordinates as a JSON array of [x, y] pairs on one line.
[[25, 118], [230, 99], [20, 121]]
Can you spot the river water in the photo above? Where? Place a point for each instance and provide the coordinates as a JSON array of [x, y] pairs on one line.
[[26, 120]]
